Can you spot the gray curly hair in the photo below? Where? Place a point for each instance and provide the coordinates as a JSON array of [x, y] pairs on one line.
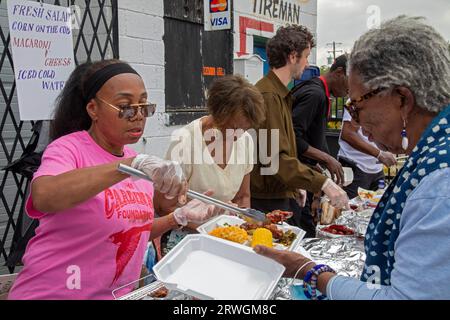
[[405, 52]]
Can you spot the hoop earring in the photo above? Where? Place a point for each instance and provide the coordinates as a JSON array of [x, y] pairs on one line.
[[405, 141]]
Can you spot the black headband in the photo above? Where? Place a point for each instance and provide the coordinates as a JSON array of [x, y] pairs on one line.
[[99, 78]]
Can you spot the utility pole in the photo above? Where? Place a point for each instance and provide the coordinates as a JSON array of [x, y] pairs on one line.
[[333, 44]]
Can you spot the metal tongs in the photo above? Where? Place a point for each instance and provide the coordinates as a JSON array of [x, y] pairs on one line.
[[250, 213]]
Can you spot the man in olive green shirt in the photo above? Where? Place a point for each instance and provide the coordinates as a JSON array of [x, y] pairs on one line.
[[287, 53]]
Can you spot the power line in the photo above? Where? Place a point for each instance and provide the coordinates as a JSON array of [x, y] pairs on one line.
[[334, 48]]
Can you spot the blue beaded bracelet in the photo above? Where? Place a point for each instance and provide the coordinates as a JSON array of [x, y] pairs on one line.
[[310, 281]]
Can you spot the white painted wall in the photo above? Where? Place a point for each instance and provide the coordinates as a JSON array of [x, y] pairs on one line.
[[141, 30]]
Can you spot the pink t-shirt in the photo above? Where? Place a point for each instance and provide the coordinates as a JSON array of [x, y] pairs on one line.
[[94, 248]]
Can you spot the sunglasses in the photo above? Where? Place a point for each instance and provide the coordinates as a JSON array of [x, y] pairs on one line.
[[353, 109], [129, 111]]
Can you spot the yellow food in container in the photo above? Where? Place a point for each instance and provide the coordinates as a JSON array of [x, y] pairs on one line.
[[262, 236], [232, 233]]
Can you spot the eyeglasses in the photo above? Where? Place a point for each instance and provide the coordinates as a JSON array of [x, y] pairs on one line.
[[354, 110], [129, 111]]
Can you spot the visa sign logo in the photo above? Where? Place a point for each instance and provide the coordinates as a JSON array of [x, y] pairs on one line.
[[221, 21]]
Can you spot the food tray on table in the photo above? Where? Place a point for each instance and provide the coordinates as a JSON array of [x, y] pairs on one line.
[[358, 221], [151, 290], [369, 197], [334, 231], [207, 267], [291, 236]]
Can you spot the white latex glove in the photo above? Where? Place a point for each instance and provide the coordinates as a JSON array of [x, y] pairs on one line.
[[167, 176], [301, 198], [386, 158], [194, 211], [338, 197]]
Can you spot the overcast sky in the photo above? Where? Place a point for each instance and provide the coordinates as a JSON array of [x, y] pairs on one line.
[[345, 20]]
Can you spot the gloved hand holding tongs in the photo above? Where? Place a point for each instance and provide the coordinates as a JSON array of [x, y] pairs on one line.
[[250, 213]]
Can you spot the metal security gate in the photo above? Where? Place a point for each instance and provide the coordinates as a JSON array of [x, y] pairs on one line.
[[95, 38]]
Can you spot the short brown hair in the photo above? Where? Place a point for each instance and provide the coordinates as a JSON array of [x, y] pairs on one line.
[[232, 94], [288, 39]]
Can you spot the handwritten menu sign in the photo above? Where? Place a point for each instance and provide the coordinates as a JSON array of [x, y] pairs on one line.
[[42, 48]]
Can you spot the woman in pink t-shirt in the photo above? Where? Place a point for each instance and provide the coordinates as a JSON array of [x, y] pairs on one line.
[[95, 222]]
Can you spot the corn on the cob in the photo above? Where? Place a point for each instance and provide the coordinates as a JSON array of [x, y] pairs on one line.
[[262, 236], [232, 233]]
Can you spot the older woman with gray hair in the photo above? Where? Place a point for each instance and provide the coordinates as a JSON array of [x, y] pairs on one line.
[[399, 84]]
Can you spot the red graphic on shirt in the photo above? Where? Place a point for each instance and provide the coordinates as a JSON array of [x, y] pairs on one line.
[[128, 204], [128, 242]]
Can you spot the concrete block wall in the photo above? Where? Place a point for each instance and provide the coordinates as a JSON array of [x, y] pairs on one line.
[[141, 30]]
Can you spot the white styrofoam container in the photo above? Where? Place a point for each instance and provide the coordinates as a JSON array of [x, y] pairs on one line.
[[208, 268], [348, 175], [221, 220]]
